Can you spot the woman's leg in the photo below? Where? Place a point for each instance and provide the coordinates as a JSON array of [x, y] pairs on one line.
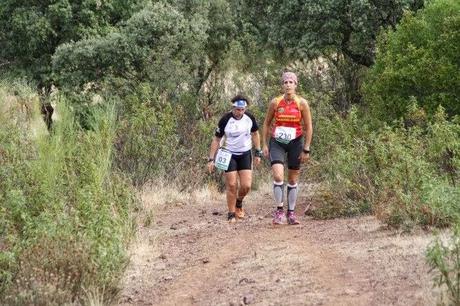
[[292, 191], [293, 156], [245, 178], [278, 192], [278, 184], [231, 184], [245, 183], [293, 178]]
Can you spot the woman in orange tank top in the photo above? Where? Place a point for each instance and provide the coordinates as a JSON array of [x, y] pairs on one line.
[[288, 136]]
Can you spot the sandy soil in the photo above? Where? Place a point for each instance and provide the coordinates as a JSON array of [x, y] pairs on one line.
[[190, 255]]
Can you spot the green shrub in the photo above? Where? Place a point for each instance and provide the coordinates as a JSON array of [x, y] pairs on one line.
[[419, 59], [344, 165], [147, 139], [398, 173], [65, 214], [443, 145], [401, 175], [444, 259]]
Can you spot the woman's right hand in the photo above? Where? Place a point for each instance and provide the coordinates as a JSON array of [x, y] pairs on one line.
[[210, 166], [265, 151]]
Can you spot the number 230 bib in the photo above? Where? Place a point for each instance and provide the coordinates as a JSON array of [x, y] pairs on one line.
[[284, 134]]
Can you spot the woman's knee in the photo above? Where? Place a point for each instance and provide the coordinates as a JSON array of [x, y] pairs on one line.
[[293, 177], [231, 186], [278, 172], [245, 187]]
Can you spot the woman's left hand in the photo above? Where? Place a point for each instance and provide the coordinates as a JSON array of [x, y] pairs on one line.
[[304, 157], [256, 161]]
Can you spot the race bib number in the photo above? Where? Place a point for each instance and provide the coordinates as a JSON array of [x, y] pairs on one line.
[[284, 134], [222, 160]]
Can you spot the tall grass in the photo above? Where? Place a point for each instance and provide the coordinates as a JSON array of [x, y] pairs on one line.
[[65, 214]]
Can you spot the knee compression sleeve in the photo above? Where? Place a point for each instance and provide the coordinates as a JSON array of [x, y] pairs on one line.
[[291, 196]]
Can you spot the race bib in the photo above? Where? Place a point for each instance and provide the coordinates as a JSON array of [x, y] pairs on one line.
[[222, 159], [284, 134]]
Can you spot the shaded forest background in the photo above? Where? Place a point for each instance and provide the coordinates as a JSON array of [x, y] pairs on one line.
[[138, 86]]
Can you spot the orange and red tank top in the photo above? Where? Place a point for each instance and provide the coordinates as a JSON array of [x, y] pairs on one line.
[[287, 114]]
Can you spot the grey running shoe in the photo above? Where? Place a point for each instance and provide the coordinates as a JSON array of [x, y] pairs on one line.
[[291, 218], [278, 217]]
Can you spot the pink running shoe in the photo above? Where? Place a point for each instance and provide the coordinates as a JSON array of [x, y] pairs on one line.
[[291, 218], [278, 217]]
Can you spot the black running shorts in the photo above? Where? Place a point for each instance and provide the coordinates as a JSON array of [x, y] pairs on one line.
[[293, 149], [240, 162]]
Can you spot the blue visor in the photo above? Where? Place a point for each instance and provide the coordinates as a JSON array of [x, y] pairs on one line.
[[240, 103]]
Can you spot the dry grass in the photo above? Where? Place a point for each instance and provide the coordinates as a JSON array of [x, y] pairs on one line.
[[154, 195]]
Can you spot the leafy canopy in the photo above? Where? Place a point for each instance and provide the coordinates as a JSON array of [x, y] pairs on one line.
[[32, 30], [419, 60], [307, 29]]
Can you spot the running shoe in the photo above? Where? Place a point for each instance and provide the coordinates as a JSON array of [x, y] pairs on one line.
[[239, 213], [278, 217], [291, 218]]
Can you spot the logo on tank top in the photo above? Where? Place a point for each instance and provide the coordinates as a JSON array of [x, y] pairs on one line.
[[281, 110]]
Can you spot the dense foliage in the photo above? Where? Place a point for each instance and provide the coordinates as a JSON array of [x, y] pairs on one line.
[[64, 214], [406, 176], [420, 59], [307, 29], [157, 45], [32, 30]]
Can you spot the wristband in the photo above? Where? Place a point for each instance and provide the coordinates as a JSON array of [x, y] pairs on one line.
[[258, 153], [210, 159], [306, 151]]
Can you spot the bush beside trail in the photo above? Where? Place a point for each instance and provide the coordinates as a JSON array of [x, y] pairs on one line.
[[405, 175], [65, 214]]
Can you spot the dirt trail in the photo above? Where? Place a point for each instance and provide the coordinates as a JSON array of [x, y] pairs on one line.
[[190, 255]]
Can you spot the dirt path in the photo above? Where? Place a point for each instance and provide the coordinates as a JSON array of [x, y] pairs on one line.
[[191, 256]]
